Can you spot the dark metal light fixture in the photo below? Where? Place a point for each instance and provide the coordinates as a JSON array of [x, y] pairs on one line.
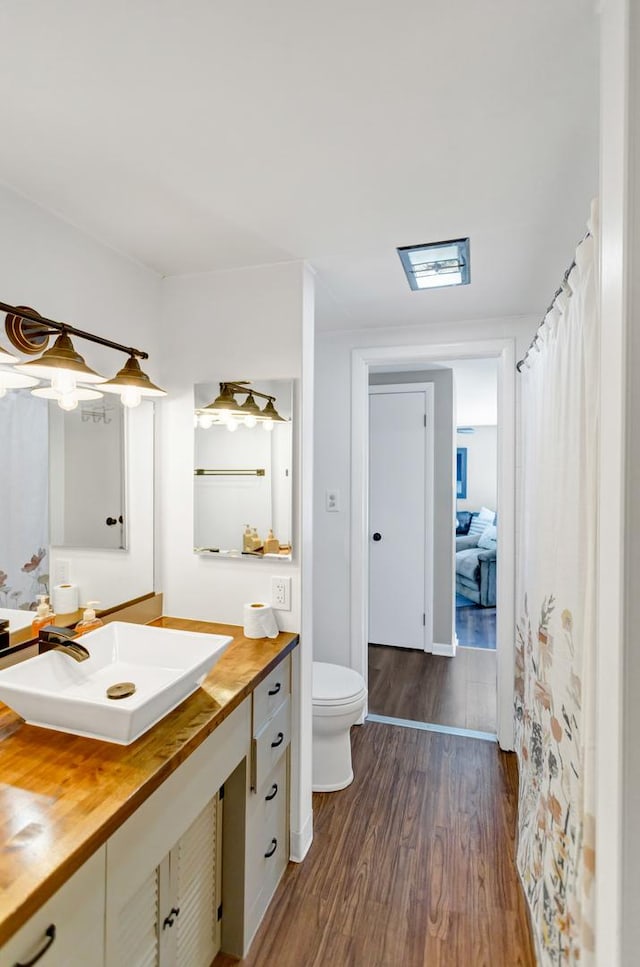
[[225, 408], [29, 332], [132, 384]]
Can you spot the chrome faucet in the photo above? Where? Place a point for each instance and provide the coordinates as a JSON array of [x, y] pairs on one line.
[[62, 639]]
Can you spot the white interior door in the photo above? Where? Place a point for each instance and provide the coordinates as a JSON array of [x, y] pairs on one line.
[[401, 515]]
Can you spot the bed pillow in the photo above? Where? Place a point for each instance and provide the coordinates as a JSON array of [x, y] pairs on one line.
[[489, 538]]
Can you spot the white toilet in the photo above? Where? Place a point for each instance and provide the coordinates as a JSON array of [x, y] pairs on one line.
[[339, 695]]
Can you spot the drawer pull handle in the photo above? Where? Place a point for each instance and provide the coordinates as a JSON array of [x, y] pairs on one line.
[[273, 793], [50, 934], [272, 848], [170, 919], [276, 688], [279, 740]]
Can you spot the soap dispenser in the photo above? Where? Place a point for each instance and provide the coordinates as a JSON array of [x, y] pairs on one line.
[[89, 620], [44, 615], [256, 540], [271, 544], [247, 539]]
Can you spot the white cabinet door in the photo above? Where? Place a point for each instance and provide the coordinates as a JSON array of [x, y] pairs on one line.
[[195, 874], [136, 939], [171, 919], [76, 914]]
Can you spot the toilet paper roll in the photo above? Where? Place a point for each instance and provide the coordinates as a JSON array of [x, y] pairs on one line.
[[260, 621], [64, 598]]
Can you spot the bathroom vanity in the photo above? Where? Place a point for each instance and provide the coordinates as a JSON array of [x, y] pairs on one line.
[[160, 852]]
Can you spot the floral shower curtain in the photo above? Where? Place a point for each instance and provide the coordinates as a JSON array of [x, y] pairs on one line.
[[555, 646], [24, 483]]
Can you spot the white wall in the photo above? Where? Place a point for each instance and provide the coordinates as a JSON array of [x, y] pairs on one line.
[[64, 274], [482, 468], [331, 559], [253, 324], [476, 383], [442, 380], [241, 324]]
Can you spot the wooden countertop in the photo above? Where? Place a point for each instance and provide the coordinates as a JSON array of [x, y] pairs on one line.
[[62, 796]]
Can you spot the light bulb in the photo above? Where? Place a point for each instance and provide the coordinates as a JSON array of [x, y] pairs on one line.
[[206, 420], [224, 416], [63, 382], [250, 421], [130, 396], [268, 426], [232, 426], [196, 420], [68, 401]]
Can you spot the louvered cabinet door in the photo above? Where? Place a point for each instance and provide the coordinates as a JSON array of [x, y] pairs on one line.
[[195, 874], [135, 940]]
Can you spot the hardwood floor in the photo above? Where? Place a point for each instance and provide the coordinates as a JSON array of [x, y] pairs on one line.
[[411, 866], [476, 627], [459, 691]]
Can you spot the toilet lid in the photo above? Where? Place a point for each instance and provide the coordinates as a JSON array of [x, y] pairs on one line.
[[335, 684]]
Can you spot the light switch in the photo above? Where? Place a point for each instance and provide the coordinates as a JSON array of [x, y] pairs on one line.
[[332, 501]]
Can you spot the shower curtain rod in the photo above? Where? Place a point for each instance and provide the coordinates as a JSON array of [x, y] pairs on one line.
[[534, 341]]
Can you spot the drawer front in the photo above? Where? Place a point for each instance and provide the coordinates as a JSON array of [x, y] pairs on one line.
[[268, 841], [270, 694], [270, 745], [269, 800], [76, 912]]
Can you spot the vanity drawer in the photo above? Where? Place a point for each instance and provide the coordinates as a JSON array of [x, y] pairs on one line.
[[69, 927], [269, 842], [270, 694], [270, 744]]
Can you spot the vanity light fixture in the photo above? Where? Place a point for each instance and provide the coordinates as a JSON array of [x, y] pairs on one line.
[[7, 357], [67, 401], [12, 380], [436, 264], [227, 410], [29, 332], [132, 384]]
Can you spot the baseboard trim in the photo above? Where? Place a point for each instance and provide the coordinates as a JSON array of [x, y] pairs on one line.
[[445, 651], [300, 842]]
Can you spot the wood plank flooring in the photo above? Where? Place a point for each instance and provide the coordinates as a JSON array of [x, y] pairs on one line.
[[459, 691], [411, 866], [476, 627]]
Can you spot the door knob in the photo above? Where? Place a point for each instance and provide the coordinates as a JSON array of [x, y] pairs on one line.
[[110, 521], [377, 536]]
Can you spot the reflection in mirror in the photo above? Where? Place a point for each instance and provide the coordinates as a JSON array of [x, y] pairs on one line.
[[24, 521], [242, 471], [87, 475], [62, 475]]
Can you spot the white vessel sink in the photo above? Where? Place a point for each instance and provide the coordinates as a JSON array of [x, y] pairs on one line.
[[17, 619], [166, 666]]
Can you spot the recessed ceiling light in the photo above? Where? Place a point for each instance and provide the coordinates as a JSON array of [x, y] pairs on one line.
[[436, 263]]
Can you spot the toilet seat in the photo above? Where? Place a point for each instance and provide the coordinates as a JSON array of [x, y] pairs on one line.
[[336, 686]]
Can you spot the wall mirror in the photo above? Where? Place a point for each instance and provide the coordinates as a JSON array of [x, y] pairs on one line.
[[243, 469], [62, 476]]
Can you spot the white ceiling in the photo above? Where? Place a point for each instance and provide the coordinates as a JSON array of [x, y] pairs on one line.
[[199, 134]]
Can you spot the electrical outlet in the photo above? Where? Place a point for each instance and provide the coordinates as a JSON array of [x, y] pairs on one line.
[[281, 593], [332, 500]]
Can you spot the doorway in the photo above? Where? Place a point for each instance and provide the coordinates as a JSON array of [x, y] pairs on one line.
[[398, 358]]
